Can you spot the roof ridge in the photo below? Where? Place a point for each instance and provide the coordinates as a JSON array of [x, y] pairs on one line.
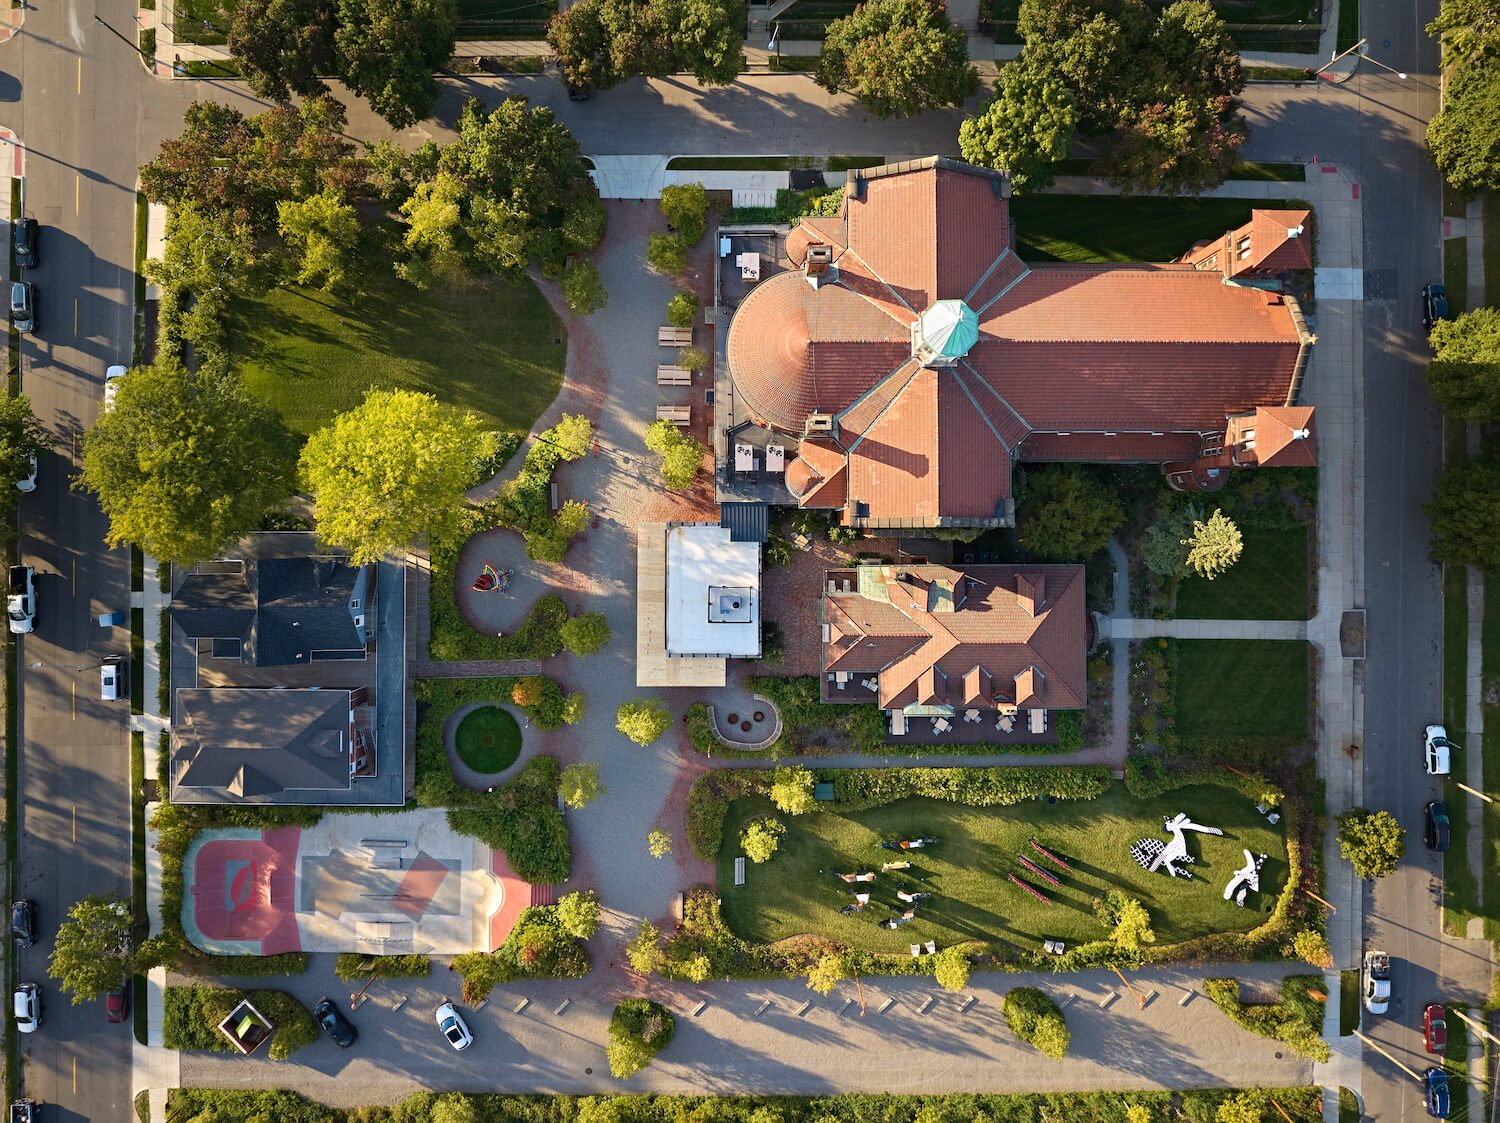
[[854, 253], [963, 384], [988, 273], [878, 384]]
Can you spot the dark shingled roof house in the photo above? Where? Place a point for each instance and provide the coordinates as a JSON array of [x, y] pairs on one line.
[[280, 707]]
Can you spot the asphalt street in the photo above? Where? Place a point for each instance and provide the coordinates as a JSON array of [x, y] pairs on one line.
[[77, 117], [776, 1038]]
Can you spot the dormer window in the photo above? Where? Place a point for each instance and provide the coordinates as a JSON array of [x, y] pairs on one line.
[[1242, 249]]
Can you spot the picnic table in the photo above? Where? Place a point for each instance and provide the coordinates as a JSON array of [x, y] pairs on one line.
[[681, 416]]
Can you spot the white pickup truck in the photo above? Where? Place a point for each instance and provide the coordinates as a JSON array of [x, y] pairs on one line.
[[1377, 983]]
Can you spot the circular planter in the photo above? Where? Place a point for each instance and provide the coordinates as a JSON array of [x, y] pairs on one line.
[[488, 739]]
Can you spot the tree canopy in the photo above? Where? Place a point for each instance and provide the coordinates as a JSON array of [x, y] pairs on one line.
[[1464, 515], [1067, 514], [1213, 546], [1372, 841], [21, 437], [643, 720], [184, 463], [1465, 371], [391, 470], [93, 952], [228, 164], [898, 57], [321, 233], [384, 50], [600, 43], [1160, 92], [1464, 136], [1469, 29]]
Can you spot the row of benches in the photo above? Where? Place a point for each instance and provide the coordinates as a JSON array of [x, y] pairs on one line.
[[670, 374]]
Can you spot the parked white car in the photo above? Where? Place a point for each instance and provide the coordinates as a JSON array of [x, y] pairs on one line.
[[1437, 751], [111, 678], [20, 606], [451, 1022], [26, 1006], [28, 484], [112, 377]]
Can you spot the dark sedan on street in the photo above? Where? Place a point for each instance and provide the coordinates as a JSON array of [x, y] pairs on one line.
[[327, 1014]]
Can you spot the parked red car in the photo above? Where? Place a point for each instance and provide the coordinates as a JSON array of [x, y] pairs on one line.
[[1435, 1028]]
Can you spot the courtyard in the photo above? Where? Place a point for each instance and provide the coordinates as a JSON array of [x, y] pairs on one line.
[[968, 871]]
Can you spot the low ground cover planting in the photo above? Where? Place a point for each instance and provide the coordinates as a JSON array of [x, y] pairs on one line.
[[191, 1016], [968, 872], [1116, 228], [492, 347], [488, 739]]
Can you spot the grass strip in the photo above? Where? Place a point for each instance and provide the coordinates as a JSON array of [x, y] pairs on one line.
[[12, 854], [1080, 228], [1492, 248], [1456, 1063], [137, 660], [772, 163], [138, 353], [1456, 273], [1348, 1002], [1278, 74], [211, 68], [164, 661], [1348, 25], [794, 63], [138, 870]]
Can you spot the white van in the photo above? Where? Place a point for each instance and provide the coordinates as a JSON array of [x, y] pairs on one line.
[[111, 675]]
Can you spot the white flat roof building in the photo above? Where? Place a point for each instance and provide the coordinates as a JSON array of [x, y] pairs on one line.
[[713, 593]]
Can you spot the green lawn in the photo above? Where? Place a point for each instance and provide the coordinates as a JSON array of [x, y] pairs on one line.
[[492, 347], [1112, 228], [1456, 273], [1269, 582], [481, 19], [1241, 688], [488, 739], [968, 872]]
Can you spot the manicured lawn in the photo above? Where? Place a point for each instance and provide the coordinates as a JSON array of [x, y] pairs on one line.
[[488, 347], [488, 739], [1456, 273], [1269, 582], [967, 873], [1241, 688], [1112, 228]]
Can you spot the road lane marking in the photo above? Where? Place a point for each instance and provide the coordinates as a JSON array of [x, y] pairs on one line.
[[75, 822], [75, 1076], [77, 189], [75, 707], [80, 74], [75, 577], [75, 317]]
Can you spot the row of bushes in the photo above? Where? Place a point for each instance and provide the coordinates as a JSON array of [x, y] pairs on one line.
[[355, 965], [217, 1105], [519, 818], [453, 640], [524, 503], [1296, 1021], [856, 789], [537, 948], [191, 1016], [1037, 1020]]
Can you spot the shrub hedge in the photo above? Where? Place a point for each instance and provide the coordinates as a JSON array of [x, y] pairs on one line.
[[638, 1029], [537, 948], [1296, 1021], [219, 1105], [1038, 1021], [519, 817], [453, 640], [192, 1014], [354, 965]]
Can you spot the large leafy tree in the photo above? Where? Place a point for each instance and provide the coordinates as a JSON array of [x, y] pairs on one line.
[[321, 232], [643, 720], [283, 46], [389, 49], [898, 57], [1067, 515], [1160, 92], [600, 43], [93, 952], [21, 437], [238, 168], [185, 462], [1464, 137], [1469, 29], [1464, 515], [1372, 841], [1213, 546], [1465, 372], [391, 470]]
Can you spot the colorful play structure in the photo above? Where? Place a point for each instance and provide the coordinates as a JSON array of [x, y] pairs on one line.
[[491, 580]]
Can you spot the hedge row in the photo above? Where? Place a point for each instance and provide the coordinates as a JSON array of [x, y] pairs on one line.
[[355, 965], [452, 638], [192, 1014], [215, 1105], [537, 948], [1296, 1021], [520, 817]]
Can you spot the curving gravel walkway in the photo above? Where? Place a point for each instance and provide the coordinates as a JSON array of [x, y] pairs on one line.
[[468, 777]]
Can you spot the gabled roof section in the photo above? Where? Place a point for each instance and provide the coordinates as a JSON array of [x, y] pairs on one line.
[[247, 741], [1283, 437], [1280, 241], [986, 648]]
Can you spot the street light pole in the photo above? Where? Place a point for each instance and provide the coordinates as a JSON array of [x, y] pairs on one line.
[[1387, 1056], [1338, 56]]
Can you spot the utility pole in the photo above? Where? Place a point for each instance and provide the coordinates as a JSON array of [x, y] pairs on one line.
[[1387, 1056], [1477, 1027], [1131, 989]]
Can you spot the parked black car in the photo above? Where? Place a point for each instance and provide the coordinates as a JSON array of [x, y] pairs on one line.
[[1434, 305], [23, 922], [24, 233], [335, 1025], [1435, 830]]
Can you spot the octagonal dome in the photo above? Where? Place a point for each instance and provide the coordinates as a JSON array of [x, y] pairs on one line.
[[947, 330]]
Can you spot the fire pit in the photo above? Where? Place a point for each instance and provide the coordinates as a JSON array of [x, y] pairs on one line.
[[745, 726], [760, 715], [734, 719]]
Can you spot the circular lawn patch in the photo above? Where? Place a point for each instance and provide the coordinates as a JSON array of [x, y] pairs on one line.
[[488, 739]]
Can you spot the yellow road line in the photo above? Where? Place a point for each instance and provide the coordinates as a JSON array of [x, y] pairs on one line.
[[75, 316], [75, 701], [75, 577], [75, 1076], [75, 822], [80, 74], [77, 191]]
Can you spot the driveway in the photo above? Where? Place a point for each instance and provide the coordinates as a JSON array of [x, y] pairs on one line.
[[750, 1038]]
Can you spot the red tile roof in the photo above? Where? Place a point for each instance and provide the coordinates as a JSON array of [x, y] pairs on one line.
[[1119, 362], [990, 644], [1283, 437]]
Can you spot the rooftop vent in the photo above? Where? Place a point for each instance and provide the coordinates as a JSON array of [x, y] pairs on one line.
[[818, 423], [1301, 434], [819, 258], [1294, 232]]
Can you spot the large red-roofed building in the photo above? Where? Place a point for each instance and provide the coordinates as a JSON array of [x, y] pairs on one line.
[[916, 357]]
